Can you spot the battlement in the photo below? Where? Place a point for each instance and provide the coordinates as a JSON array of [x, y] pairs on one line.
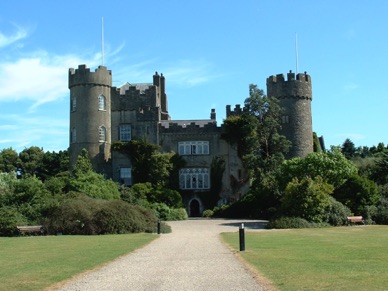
[[299, 87], [236, 111], [279, 78], [82, 76]]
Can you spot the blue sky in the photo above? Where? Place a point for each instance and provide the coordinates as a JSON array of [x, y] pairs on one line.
[[209, 52]]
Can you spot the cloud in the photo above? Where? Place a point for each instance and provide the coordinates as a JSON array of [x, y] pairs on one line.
[[10, 39], [39, 78], [190, 72]]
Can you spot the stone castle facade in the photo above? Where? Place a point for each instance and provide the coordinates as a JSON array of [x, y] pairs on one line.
[[101, 114]]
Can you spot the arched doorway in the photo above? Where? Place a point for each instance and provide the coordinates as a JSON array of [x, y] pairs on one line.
[[194, 208]]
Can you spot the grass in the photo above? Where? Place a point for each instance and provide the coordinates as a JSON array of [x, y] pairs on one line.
[[37, 262], [342, 258]]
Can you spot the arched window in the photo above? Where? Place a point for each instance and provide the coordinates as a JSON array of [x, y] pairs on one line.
[[102, 134], [101, 102], [73, 135]]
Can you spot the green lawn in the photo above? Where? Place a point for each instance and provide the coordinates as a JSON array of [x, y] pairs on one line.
[[36, 262], [342, 258]]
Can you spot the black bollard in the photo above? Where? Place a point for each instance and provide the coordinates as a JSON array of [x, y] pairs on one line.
[[242, 237], [158, 226]]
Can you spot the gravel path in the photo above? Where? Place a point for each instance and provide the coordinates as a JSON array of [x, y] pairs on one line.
[[192, 257]]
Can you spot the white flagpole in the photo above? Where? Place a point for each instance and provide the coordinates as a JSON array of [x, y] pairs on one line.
[[296, 51], [102, 40]]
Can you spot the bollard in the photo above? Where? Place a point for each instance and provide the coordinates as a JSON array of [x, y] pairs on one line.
[[159, 226], [242, 237]]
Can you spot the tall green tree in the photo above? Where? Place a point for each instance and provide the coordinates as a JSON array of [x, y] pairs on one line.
[[348, 149], [32, 161], [9, 160]]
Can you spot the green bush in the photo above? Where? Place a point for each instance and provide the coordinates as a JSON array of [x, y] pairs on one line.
[[84, 215], [177, 214], [336, 213], [288, 222], [9, 219], [208, 213], [163, 212], [381, 216]]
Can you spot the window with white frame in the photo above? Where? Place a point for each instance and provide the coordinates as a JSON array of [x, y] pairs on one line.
[[125, 132], [193, 148], [194, 178], [101, 102], [102, 134], [126, 175], [285, 119]]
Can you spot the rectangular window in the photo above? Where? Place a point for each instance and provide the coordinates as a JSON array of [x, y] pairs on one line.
[[193, 148], [194, 178], [125, 132], [126, 176]]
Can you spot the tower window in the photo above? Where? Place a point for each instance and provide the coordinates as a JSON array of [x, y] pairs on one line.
[[73, 104], [285, 119], [102, 134], [101, 102], [73, 135], [125, 132]]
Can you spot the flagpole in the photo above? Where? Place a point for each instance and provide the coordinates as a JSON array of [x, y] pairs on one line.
[[102, 40], [296, 51]]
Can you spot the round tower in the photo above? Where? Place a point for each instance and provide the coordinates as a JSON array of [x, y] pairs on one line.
[[90, 115], [295, 96]]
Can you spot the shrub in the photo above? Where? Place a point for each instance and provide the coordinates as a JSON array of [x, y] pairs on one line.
[[208, 213], [381, 216], [177, 214], [288, 222], [336, 213], [80, 214], [9, 219], [308, 199]]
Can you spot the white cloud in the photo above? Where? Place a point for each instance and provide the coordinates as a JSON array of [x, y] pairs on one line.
[[6, 40], [40, 78], [190, 72]]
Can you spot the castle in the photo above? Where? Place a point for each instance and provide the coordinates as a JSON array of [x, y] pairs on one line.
[[101, 114]]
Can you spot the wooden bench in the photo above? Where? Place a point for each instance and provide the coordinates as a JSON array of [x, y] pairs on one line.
[[30, 229], [355, 219]]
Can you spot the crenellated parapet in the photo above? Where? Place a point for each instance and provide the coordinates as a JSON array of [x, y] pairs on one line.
[[236, 111], [190, 127], [298, 86], [82, 76]]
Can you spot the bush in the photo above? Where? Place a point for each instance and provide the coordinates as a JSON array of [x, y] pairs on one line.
[[307, 198], [208, 213], [163, 212], [9, 219], [288, 222], [84, 215], [381, 216], [336, 213]]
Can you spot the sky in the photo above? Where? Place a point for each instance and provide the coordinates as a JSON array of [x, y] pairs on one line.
[[209, 53]]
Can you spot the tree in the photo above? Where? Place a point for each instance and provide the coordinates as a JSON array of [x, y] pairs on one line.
[[32, 161], [331, 166], [307, 198], [9, 160], [348, 149], [357, 193]]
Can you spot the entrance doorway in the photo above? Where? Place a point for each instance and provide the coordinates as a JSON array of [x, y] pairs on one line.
[[194, 208]]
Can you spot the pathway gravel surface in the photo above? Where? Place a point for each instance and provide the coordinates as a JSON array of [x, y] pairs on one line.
[[192, 257]]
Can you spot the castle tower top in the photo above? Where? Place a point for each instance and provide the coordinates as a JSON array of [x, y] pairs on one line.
[[82, 76], [299, 87]]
